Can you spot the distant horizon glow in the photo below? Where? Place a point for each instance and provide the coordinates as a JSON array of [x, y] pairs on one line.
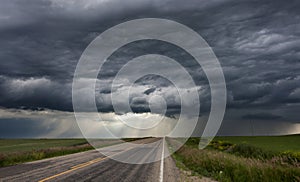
[[57, 124]]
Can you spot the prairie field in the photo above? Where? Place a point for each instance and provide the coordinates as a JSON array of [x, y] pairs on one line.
[[273, 143], [23, 145], [259, 158], [15, 151]]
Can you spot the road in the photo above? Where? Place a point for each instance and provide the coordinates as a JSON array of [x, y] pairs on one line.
[[94, 166]]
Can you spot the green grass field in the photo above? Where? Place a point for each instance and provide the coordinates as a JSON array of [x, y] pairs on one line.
[[271, 143], [23, 145], [15, 151], [257, 158]]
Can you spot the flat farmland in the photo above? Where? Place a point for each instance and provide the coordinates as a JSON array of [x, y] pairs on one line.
[[271, 143], [243, 158], [23, 145]]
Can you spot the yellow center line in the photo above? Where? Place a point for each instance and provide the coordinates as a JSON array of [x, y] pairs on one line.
[[79, 166], [89, 162]]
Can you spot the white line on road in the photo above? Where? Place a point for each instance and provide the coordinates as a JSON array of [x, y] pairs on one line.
[[161, 176]]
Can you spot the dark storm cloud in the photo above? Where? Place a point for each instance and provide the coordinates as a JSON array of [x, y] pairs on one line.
[[149, 91], [34, 93], [262, 116], [257, 43], [26, 128]]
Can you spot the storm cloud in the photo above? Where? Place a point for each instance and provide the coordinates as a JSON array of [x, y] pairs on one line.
[[256, 42]]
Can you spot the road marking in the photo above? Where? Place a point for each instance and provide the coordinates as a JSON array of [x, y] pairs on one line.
[[79, 166], [161, 176], [74, 168], [88, 163]]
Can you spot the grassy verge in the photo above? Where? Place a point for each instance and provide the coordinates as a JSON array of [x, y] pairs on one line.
[[25, 145], [8, 159], [19, 151], [225, 161], [15, 151]]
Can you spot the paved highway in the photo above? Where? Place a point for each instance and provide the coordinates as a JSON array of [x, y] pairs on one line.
[[94, 166]]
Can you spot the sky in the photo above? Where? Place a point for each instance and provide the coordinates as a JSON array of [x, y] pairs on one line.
[[257, 43]]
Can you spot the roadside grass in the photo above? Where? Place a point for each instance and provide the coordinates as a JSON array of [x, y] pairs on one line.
[[15, 151], [241, 161], [23, 145], [7, 159]]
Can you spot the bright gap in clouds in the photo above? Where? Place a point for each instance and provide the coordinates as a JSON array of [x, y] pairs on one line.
[[15, 123]]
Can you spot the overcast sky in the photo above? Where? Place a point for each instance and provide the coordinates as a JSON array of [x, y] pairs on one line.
[[256, 41]]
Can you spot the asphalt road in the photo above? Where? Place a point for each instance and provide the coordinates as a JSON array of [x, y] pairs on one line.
[[92, 165]]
